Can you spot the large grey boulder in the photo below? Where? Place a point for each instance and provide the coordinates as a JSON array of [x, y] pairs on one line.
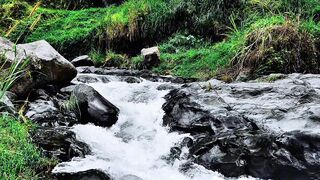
[[46, 65], [54, 67], [151, 57]]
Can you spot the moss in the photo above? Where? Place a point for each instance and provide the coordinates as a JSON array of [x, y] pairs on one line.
[[98, 57]]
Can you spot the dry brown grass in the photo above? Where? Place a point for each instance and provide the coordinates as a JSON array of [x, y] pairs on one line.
[[278, 49]]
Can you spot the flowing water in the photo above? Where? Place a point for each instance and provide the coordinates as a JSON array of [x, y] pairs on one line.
[[137, 144]]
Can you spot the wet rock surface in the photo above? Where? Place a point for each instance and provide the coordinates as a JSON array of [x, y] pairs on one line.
[[92, 174], [53, 135], [133, 73], [262, 129], [59, 143], [94, 107], [46, 109]]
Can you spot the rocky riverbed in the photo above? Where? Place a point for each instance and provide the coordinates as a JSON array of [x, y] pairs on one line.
[[264, 129], [130, 125]]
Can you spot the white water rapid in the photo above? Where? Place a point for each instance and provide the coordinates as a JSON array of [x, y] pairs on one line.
[[137, 143]]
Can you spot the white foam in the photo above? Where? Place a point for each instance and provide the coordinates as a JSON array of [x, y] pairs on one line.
[[137, 143]]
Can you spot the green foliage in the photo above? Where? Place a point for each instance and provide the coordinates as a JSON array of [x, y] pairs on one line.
[[109, 59], [11, 12], [98, 57], [63, 29], [116, 60], [71, 104], [10, 72], [19, 158], [181, 42], [203, 61], [220, 30]]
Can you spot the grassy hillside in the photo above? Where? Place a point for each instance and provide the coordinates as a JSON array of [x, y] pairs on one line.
[[226, 29]]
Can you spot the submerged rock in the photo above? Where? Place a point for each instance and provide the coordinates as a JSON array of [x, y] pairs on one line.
[[130, 177], [84, 60], [134, 73], [267, 130], [84, 78], [131, 79], [59, 143], [94, 107], [91, 174]]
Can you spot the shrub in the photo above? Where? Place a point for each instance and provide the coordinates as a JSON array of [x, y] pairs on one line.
[[279, 49]]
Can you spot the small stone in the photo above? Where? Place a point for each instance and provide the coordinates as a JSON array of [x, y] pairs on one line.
[[151, 57]]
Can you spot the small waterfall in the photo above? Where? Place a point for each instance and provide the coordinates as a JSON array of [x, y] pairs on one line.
[[138, 143]]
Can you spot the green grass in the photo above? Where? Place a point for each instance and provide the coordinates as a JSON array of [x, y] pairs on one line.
[[221, 26], [19, 158], [202, 60]]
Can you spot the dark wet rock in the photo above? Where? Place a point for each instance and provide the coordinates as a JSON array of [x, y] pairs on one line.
[[164, 87], [84, 60], [268, 130], [92, 174], [87, 79], [47, 113], [94, 108], [104, 79], [11, 97], [151, 57], [46, 109], [134, 73], [59, 143], [132, 79]]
